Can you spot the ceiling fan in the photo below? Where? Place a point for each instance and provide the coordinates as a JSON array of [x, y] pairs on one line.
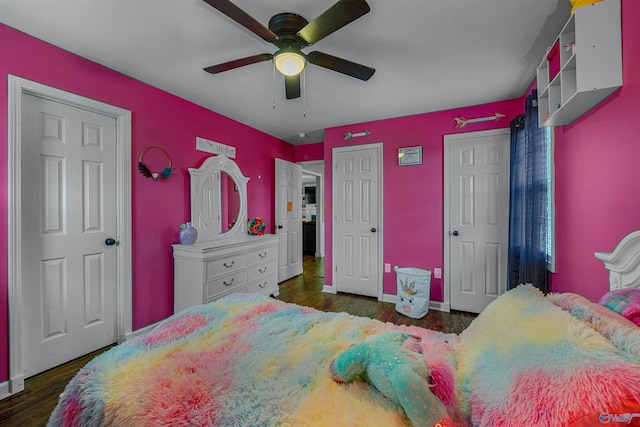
[[291, 33]]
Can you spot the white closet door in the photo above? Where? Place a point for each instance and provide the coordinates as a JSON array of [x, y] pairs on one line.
[[69, 212]]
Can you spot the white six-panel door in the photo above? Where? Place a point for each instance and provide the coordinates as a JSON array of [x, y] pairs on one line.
[[288, 200], [357, 261], [68, 212], [477, 224]]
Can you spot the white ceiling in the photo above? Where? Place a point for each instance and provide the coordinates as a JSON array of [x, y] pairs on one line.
[[429, 55]]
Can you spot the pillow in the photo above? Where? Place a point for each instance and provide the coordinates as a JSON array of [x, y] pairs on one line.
[[568, 300], [625, 302]]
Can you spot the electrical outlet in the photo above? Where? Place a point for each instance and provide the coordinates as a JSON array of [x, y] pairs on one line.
[[437, 273], [387, 267]]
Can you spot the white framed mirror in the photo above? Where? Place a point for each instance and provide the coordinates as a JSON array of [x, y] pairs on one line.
[[218, 199]]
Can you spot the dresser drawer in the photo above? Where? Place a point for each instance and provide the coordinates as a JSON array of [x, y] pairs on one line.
[[264, 284], [237, 290], [226, 265], [258, 271], [263, 254], [225, 283]]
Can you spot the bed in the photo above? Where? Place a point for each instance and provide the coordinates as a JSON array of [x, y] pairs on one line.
[[249, 360]]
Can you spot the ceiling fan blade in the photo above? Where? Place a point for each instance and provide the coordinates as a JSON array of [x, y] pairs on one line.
[[332, 19], [243, 18], [340, 65], [237, 63], [292, 86]]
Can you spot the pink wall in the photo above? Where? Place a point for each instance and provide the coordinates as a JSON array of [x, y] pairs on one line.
[[413, 208], [159, 118], [597, 162], [309, 152], [598, 176]]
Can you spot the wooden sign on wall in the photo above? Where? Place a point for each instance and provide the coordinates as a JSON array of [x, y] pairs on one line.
[[215, 147]]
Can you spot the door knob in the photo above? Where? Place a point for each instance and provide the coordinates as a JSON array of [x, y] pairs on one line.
[[373, 229], [110, 242], [455, 233], [279, 227]]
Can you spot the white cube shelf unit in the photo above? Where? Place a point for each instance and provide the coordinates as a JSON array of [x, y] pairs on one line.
[[589, 68]]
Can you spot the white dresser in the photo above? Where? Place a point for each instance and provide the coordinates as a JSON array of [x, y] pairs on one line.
[[225, 258], [205, 273]]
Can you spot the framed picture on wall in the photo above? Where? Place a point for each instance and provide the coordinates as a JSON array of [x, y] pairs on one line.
[[410, 156]]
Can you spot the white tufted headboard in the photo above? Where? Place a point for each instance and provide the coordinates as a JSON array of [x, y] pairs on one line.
[[623, 263]]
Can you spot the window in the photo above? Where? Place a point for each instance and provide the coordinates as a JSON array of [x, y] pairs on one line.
[[549, 139], [531, 211]]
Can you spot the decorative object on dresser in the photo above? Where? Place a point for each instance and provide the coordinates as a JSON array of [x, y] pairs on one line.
[[225, 258], [188, 234], [256, 226], [583, 66]]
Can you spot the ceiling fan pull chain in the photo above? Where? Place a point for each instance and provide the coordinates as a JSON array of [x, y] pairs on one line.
[[274, 87], [304, 92]]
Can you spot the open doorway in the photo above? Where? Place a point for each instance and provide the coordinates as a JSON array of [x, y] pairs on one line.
[[313, 221], [310, 241]]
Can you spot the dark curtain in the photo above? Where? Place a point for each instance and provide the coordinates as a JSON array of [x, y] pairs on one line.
[[529, 194]]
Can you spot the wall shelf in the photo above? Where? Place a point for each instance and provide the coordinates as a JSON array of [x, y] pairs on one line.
[[586, 74]]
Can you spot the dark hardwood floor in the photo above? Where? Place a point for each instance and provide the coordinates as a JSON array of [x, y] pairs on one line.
[[307, 290], [33, 406]]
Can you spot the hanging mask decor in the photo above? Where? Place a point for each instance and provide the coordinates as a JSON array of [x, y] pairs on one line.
[[144, 169]]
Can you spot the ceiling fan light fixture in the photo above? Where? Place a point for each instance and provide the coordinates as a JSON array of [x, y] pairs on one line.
[[289, 62]]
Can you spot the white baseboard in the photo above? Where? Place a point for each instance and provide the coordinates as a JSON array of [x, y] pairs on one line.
[[391, 299], [440, 306], [4, 390], [11, 387], [140, 331], [433, 305], [329, 289]]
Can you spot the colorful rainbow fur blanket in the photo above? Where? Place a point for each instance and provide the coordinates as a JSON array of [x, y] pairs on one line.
[[249, 360]]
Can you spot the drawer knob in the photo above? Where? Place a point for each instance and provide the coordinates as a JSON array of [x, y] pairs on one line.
[[229, 265], [262, 255], [262, 270], [228, 283], [262, 285]]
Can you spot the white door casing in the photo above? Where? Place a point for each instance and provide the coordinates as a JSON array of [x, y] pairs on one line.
[[319, 217], [357, 220], [68, 212], [17, 88], [476, 229], [288, 202]]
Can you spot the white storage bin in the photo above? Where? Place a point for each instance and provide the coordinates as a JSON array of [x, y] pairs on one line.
[[414, 287]]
